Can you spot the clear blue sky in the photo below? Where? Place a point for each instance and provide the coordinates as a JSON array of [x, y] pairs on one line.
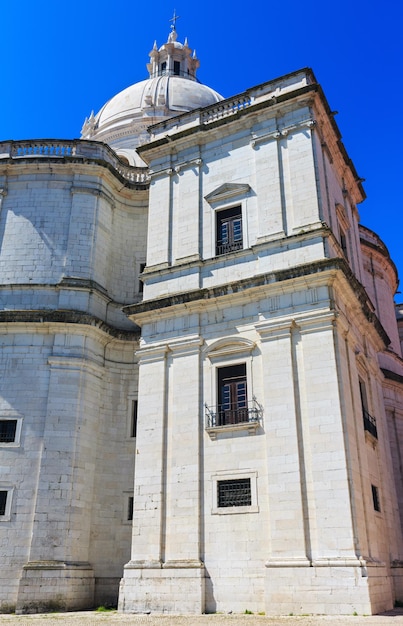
[[61, 59]]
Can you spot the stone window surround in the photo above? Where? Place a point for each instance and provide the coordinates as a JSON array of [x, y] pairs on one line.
[[19, 420], [234, 475], [10, 491], [127, 507], [224, 353]]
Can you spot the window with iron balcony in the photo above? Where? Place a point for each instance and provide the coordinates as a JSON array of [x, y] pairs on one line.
[[368, 419], [229, 230], [233, 408]]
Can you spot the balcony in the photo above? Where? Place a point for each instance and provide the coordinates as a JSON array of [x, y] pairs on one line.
[[370, 423], [226, 247], [223, 418]]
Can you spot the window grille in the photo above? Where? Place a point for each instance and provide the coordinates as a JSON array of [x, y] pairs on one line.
[[8, 430], [234, 492]]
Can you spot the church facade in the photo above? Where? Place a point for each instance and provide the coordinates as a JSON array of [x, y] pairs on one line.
[[202, 377]]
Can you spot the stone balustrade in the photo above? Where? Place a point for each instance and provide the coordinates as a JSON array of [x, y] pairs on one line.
[[77, 149], [225, 108]]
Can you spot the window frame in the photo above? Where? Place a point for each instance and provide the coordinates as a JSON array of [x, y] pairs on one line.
[[141, 268], [252, 475], [17, 439], [232, 397], [369, 420], [231, 214], [227, 352], [376, 499], [128, 507], [344, 227], [132, 415], [9, 498]]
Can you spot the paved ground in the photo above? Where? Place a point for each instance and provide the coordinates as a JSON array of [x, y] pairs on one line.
[[93, 618]]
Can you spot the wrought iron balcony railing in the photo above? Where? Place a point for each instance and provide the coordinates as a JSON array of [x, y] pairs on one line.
[[224, 248], [370, 423], [223, 415]]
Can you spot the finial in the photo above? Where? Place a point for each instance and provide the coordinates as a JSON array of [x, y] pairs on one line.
[[186, 44], [173, 19], [155, 45]]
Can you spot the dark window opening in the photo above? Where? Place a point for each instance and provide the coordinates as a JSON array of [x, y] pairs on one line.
[[234, 492], [177, 68], [229, 230], [163, 66], [369, 420], [375, 498], [141, 284], [3, 502], [130, 508], [232, 395], [133, 425], [8, 430], [343, 242]]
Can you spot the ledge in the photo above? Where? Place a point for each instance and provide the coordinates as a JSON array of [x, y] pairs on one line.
[[269, 278], [251, 427], [66, 317]]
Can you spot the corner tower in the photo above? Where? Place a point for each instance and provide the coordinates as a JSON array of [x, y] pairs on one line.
[[257, 464]]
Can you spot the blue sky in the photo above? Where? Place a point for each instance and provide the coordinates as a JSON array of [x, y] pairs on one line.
[[62, 59]]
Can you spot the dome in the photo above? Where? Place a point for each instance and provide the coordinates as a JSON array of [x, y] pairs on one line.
[[171, 89]]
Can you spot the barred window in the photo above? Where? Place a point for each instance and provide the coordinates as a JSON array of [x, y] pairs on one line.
[[234, 492], [8, 429]]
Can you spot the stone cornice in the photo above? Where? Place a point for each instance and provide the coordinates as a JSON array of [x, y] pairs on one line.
[[200, 297], [65, 317], [392, 375], [281, 133]]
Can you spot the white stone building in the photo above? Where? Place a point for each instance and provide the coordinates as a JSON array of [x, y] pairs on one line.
[[187, 296]]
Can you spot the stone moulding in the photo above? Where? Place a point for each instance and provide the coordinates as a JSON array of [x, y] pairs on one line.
[[65, 317], [197, 296]]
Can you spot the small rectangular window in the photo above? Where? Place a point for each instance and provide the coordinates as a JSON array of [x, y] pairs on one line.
[[369, 420], [234, 493], [177, 68], [8, 429], [375, 498], [343, 243], [3, 502], [229, 230], [130, 503], [141, 284], [133, 425]]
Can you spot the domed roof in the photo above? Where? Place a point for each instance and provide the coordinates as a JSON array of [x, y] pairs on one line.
[[172, 88]]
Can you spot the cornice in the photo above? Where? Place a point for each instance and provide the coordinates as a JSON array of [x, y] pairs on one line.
[[64, 317], [199, 298]]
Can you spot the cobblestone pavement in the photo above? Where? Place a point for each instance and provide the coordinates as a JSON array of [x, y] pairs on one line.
[[90, 618]]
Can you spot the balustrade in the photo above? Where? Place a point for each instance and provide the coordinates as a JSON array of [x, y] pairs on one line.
[[225, 108], [77, 149]]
